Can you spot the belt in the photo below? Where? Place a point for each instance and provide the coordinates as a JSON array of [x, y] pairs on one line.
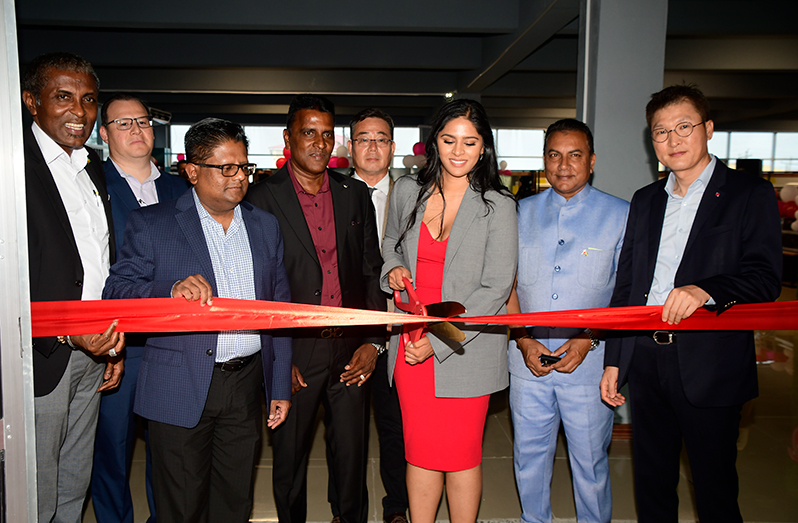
[[234, 364], [663, 337], [331, 332]]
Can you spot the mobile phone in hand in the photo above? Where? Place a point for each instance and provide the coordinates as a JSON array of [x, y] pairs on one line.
[[548, 359]]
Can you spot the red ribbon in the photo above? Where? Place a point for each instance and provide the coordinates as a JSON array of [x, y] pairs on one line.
[[62, 318]]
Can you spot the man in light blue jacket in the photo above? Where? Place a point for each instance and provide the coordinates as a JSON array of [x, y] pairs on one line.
[[570, 238]]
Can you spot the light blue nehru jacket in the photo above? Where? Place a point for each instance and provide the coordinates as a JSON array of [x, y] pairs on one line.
[[567, 259]]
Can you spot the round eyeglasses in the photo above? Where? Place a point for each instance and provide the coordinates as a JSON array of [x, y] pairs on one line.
[[231, 169], [683, 129], [124, 124]]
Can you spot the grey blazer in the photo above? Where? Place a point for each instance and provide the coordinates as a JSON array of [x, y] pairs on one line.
[[481, 259]]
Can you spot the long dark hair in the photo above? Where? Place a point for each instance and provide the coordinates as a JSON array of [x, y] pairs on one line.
[[483, 177]]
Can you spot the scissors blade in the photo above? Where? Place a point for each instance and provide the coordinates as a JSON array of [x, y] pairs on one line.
[[446, 309], [446, 329]]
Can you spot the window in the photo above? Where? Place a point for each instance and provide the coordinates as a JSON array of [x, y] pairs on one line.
[[522, 149]]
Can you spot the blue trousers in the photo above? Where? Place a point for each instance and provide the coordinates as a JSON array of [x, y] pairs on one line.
[[113, 449], [537, 408]]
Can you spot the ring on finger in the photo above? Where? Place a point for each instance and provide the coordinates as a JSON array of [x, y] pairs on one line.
[[362, 377], [112, 353]]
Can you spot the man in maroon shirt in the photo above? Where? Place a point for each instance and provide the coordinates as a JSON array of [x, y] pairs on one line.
[[332, 257]]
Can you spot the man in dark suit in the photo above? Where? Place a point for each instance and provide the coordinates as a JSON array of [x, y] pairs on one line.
[[706, 236], [332, 257], [70, 247], [201, 391], [133, 181]]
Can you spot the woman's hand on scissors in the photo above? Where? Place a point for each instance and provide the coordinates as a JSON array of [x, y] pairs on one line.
[[395, 278]]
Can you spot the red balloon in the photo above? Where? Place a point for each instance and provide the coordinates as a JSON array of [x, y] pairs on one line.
[[419, 148], [286, 152], [343, 163], [280, 162], [333, 162]]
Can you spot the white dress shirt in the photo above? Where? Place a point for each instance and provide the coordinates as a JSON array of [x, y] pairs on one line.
[[85, 210], [379, 198], [679, 217], [146, 193]]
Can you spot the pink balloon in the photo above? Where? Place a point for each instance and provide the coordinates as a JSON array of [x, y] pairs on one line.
[[419, 149], [333, 164], [181, 157], [343, 162], [281, 162]]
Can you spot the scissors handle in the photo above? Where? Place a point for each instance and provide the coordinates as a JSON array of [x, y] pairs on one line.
[[413, 306]]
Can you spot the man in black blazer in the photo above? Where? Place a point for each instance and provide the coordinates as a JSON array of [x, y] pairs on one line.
[[332, 258], [70, 248], [706, 236]]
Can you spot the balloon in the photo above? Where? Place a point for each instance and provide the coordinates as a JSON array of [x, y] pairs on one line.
[[333, 164], [502, 165], [796, 215], [180, 156], [794, 226], [789, 192], [343, 162], [419, 149], [408, 161], [419, 160], [286, 152], [341, 151], [281, 162]]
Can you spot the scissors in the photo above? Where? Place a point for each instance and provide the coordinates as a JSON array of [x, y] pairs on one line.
[[444, 309]]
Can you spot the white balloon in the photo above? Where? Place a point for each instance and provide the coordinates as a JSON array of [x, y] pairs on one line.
[[796, 214], [794, 226], [408, 161], [419, 160], [789, 192], [341, 151], [503, 165]]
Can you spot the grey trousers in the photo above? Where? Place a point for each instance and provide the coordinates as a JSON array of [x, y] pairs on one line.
[[66, 422]]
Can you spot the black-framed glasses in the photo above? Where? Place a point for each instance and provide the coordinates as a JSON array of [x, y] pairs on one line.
[[231, 169], [683, 129], [364, 142], [124, 124]]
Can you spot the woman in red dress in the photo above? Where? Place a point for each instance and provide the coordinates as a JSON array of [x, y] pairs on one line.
[[451, 231]]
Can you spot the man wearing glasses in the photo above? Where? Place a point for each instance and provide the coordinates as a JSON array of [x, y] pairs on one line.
[[133, 181], [705, 236], [201, 392]]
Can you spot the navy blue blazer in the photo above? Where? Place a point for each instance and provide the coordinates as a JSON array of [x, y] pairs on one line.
[[123, 201], [733, 253], [164, 243]]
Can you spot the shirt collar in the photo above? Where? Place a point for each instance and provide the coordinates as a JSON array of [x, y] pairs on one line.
[[51, 151], [325, 183], [154, 173], [560, 200], [205, 215], [383, 185], [701, 182]]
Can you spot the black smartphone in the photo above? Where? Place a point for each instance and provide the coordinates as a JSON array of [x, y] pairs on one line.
[[548, 359]]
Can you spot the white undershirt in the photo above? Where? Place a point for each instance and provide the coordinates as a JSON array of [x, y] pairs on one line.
[[84, 208], [146, 193]]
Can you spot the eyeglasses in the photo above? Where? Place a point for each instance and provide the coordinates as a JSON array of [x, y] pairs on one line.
[[123, 124], [683, 129], [364, 142], [231, 169]]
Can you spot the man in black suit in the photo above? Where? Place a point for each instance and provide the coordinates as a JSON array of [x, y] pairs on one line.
[[332, 257], [705, 236], [70, 248]]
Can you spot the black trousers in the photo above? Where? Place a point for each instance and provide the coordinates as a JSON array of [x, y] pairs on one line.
[[393, 466], [206, 473], [346, 422], [662, 418]]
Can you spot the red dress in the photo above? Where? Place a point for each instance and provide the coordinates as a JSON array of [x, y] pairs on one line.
[[440, 433]]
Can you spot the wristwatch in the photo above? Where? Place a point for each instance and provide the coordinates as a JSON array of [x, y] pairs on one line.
[[380, 347], [594, 342]]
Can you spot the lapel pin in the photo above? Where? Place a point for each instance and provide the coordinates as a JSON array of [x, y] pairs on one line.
[[346, 186], [717, 195]]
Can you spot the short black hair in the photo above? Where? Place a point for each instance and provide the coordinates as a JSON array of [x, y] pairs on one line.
[[36, 75], [206, 135], [567, 125], [120, 97], [676, 94], [372, 112], [308, 101]]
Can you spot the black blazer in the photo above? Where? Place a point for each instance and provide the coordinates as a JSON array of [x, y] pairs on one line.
[[733, 253], [359, 260], [56, 272]]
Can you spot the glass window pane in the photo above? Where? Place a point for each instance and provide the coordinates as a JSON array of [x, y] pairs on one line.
[[265, 145], [405, 138], [751, 145], [719, 144], [177, 134], [522, 149], [786, 152]]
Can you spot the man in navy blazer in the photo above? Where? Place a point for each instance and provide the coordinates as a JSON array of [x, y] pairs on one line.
[[706, 236], [132, 181], [200, 391]]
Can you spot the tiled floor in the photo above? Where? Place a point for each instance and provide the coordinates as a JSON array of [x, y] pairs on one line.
[[768, 463]]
